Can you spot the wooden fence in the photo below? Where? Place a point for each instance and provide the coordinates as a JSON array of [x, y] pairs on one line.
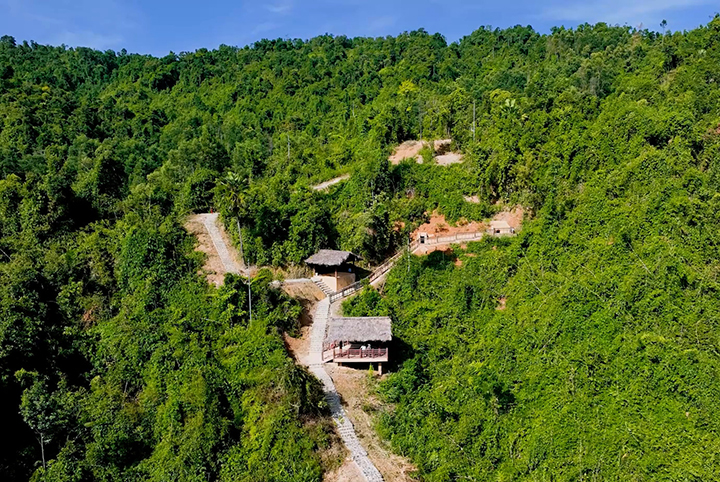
[[455, 238]]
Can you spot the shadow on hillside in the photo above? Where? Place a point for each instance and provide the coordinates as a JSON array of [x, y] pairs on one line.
[[399, 352], [439, 260], [361, 273]]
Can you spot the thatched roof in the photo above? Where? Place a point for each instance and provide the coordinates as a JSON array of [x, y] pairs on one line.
[[330, 257], [361, 328]]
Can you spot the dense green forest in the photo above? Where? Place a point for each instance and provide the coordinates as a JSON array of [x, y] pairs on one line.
[[119, 362]]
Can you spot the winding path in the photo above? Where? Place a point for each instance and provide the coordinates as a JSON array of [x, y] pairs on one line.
[[320, 317], [344, 425]]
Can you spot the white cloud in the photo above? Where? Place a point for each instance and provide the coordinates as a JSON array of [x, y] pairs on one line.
[[617, 11], [100, 24], [380, 23], [281, 8]]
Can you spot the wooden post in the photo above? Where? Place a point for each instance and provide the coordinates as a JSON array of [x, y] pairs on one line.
[[380, 369], [242, 248]]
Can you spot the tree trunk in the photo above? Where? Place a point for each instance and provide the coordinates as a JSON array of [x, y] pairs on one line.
[[42, 450]]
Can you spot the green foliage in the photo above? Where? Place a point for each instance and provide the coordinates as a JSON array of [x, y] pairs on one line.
[[130, 367], [605, 350]]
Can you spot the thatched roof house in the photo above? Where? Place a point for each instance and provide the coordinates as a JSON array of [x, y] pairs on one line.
[[358, 340], [359, 329], [333, 269], [331, 258]]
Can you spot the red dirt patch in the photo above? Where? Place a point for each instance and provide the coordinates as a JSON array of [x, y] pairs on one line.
[[425, 249], [449, 158], [308, 294], [299, 348], [514, 217], [347, 472], [408, 150], [438, 225], [411, 150]]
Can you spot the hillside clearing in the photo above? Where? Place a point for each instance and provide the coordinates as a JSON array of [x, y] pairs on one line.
[[411, 150], [439, 225], [216, 263], [449, 158], [408, 150]]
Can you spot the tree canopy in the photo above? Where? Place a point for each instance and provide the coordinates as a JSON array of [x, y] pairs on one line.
[[119, 362]]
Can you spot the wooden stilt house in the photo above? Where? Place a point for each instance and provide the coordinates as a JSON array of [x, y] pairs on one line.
[[358, 340]]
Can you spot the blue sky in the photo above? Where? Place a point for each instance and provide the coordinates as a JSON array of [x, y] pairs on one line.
[[158, 27]]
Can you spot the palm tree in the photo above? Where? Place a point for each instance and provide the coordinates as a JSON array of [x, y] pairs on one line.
[[231, 192], [663, 24]]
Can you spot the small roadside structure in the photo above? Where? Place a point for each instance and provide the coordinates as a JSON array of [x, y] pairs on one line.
[[333, 268], [360, 339], [500, 228]]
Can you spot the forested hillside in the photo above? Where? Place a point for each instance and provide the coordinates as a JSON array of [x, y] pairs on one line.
[[119, 362]]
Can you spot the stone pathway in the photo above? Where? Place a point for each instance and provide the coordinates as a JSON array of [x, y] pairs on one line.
[[210, 221], [331, 182], [344, 426]]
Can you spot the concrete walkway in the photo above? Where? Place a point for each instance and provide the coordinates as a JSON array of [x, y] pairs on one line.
[[317, 331], [344, 426], [314, 360], [211, 224]]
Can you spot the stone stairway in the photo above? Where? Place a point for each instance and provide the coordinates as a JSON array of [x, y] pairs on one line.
[[323, 287], [344, 426]]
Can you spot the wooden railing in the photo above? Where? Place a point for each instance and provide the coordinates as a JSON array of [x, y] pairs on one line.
[[378, 272], [387, 265], [455, 238], [357, 353]]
